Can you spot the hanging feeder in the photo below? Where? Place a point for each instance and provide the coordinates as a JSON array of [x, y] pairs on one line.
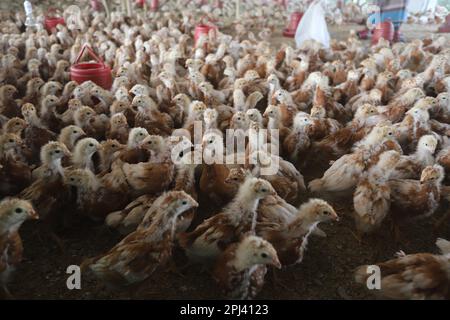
[[296, 17], [445, 28], [51, 21], [383, 30], [96, 5], [203, 29], [97, 72], [154, 5]]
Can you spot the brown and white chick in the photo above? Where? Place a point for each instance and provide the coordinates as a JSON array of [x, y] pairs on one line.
[[240, 269], [287, 181], [93, 200], [118, 128], [47, 192], [291, 239], [212, 236], [410, 166], [345, 172], [420, 276], [150, 118], [412, 199], [109, 150], [372, 197], [13, 213], [15, 174], [83, 153], [15, 126], [35, 134], [139, 254], [70, 135]]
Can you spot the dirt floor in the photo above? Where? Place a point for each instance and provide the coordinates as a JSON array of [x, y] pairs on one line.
[[325, 273]]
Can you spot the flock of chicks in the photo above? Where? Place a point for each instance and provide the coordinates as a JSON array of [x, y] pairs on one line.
[[378, 117]]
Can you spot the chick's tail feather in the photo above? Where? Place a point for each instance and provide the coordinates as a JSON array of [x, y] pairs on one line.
[[316, 185]]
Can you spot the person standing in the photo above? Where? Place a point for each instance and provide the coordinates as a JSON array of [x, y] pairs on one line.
[[395, 10]]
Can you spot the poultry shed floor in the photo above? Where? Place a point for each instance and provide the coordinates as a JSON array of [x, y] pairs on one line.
[[325, 273]]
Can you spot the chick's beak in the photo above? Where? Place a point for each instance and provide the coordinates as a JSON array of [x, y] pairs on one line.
[[34, 215], [276, 263]]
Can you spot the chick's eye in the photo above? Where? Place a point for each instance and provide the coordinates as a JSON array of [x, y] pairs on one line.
[[390, 133], [11, 140], [74, 132], [326, 213], [57, 151], [91, 144], [113, 146], [264, 255], [72, 179], [18, 210], [264, 190], [184, 203]]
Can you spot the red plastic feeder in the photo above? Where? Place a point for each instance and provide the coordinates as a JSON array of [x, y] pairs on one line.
[[202, 29], [154, 5], [97, 72], [296, 17], [96, 5], [384, 30], [445, 28], [52, 21]]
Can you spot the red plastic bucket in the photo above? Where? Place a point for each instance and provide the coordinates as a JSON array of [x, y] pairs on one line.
[[296, 17], [203, 29], [384, 30], [154, 5], [445, 28], [96, 5], [51, 21], [97, 72]]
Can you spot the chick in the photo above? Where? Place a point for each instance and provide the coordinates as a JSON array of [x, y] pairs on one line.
[[372, 196], [83, 154], [93, 199], [36, 135], [119, 128], [211, 237], [70, 135], [290, 239], [13, 213], [414, 199], [241, 268], [150, 118], [410, 166], [15, 174], [415, 276], [15, 126], [138, 255]]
